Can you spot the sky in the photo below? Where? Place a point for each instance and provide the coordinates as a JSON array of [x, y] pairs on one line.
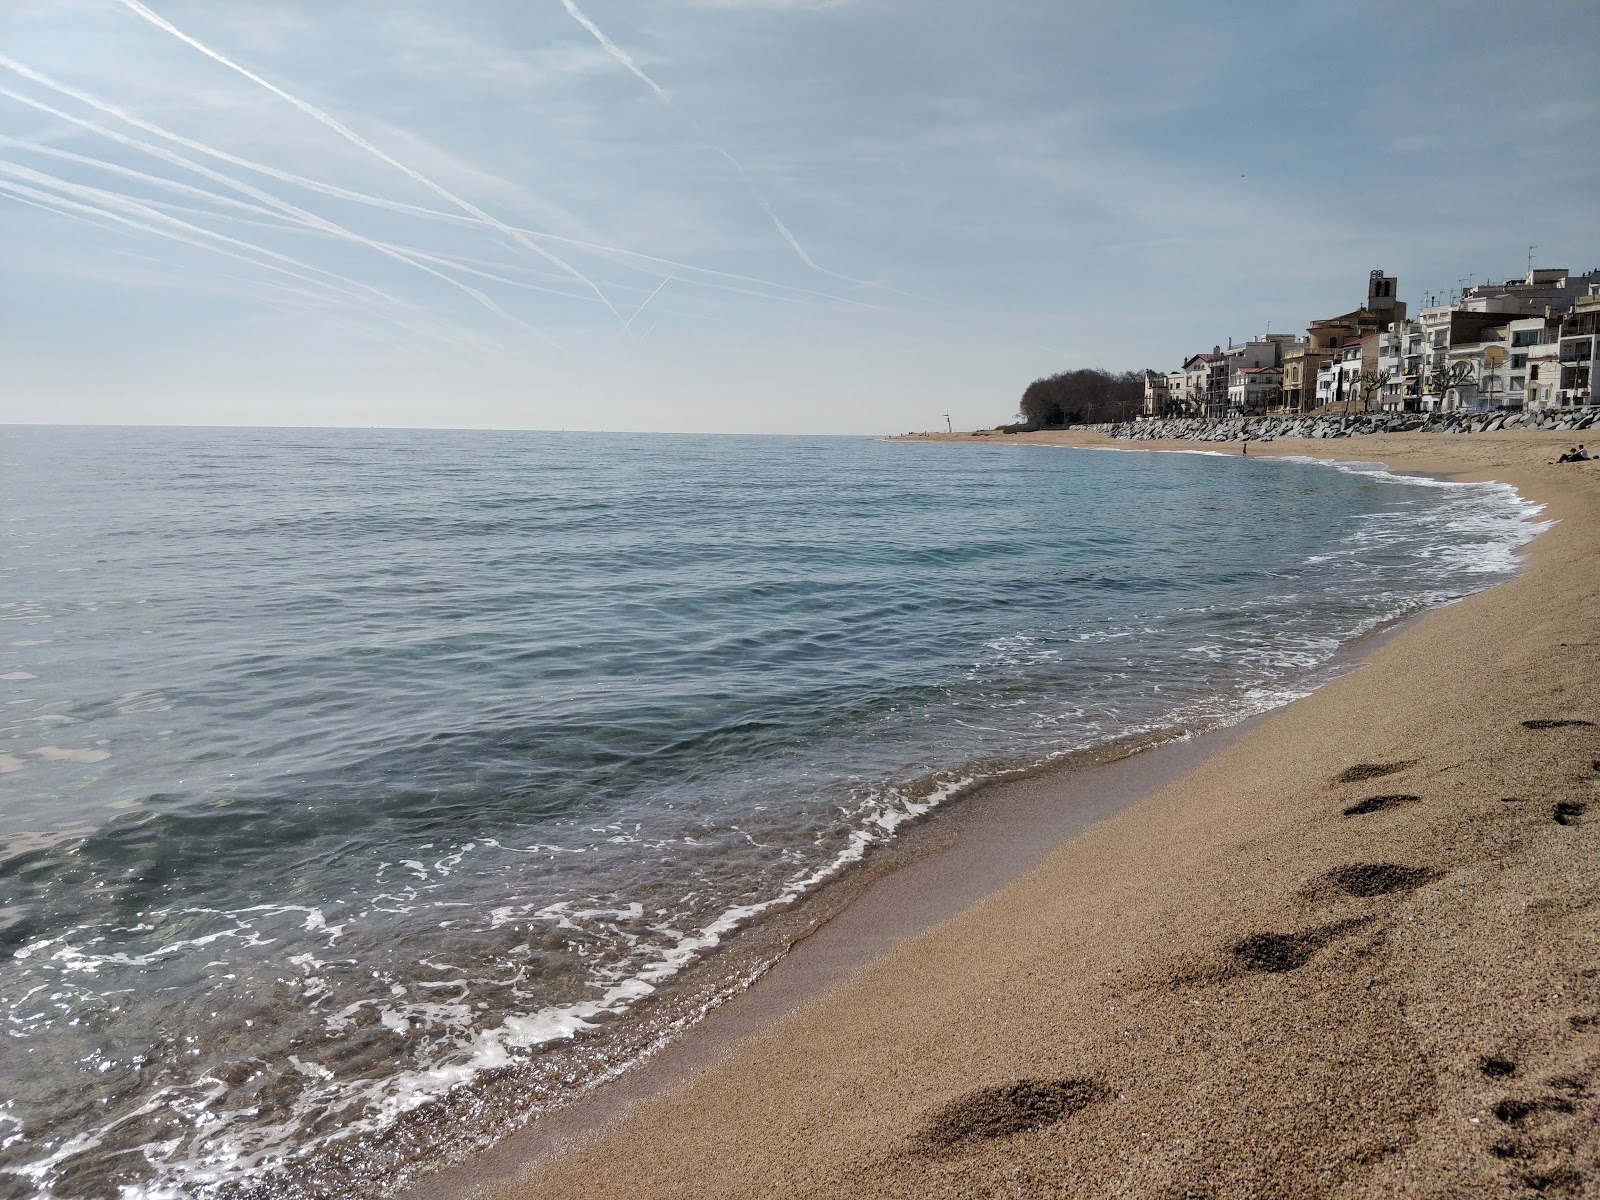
[[744, 216]]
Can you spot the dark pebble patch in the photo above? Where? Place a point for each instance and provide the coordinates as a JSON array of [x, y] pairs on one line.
[[1568, 812], [1012, 1108], [1362, 771], [1379, 879], [1374, 804]]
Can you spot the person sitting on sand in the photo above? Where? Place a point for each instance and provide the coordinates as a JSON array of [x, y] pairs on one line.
[[1580, 454], [1570, 456]]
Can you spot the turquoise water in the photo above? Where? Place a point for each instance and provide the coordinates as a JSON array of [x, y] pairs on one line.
[[363, 789]]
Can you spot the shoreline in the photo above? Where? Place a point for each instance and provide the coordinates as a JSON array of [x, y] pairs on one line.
[[708, 1083]]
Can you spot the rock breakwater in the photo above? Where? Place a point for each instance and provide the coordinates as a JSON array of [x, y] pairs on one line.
[[1341, 425]]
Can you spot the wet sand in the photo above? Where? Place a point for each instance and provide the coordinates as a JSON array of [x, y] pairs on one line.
[[1352, 951]]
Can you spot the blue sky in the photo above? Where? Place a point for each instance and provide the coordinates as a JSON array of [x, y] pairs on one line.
[[742, 215]]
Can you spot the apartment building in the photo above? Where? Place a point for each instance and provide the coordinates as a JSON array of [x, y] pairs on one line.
[[1577, 355]]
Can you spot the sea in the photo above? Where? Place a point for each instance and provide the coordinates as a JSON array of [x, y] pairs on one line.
[[367, 793]]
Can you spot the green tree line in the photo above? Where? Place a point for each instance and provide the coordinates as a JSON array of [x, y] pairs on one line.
[[1082, 397]]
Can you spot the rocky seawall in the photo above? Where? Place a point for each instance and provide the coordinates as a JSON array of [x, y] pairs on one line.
[[1340, 425]]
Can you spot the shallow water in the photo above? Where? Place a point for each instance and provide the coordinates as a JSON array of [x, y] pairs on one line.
[[346, 771]]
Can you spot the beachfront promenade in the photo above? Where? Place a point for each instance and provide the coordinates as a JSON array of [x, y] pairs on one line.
[[1352, 952]]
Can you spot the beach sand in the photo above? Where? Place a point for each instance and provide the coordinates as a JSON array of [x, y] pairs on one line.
[[1354, 951]]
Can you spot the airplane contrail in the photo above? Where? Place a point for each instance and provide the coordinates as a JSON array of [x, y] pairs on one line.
[[189, 189], [647, 300], [382, 202], [626, 59], [61, 206], [300, 214], [46, 199], [277, 220], [357, 140]]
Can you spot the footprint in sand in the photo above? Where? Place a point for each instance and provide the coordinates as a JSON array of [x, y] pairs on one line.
[[1496, 1067], [1374, 804], [1362, 771], [1568, 812], [1275, 953], [1379, 879], [1012, 1108]]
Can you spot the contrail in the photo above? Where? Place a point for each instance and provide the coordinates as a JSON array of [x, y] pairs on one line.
[[647, 300], [277, 220], [62, 203], [61, 206], [623, 57], [355, 139], [188, 189], [300, 214], [382, 202], [614, 50]]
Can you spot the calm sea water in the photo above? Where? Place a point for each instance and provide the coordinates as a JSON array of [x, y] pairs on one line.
[[365, 790]]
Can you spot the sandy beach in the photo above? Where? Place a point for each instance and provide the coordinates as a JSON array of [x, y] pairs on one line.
[[1352, 951]]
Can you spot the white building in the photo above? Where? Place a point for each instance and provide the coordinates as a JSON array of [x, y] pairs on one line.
[[1579, 352], [1254, 389], [1340, 383], [1525, 336], [1544, 376]]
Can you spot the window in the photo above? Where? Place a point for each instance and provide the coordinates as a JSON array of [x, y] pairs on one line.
[[1519, 360], [1533, 372]]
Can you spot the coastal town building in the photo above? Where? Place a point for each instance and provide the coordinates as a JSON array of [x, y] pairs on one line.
[[1399, 365], [1300, 367], [1532, 343], [1577, 352], [1196, 368], [1253, 390], [1157, 395], [1554, 288], [1544, 376], [1525, 336], [1350, 381]]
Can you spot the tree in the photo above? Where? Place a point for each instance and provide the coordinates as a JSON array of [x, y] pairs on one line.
[[1371, 384], [1083, 396]]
